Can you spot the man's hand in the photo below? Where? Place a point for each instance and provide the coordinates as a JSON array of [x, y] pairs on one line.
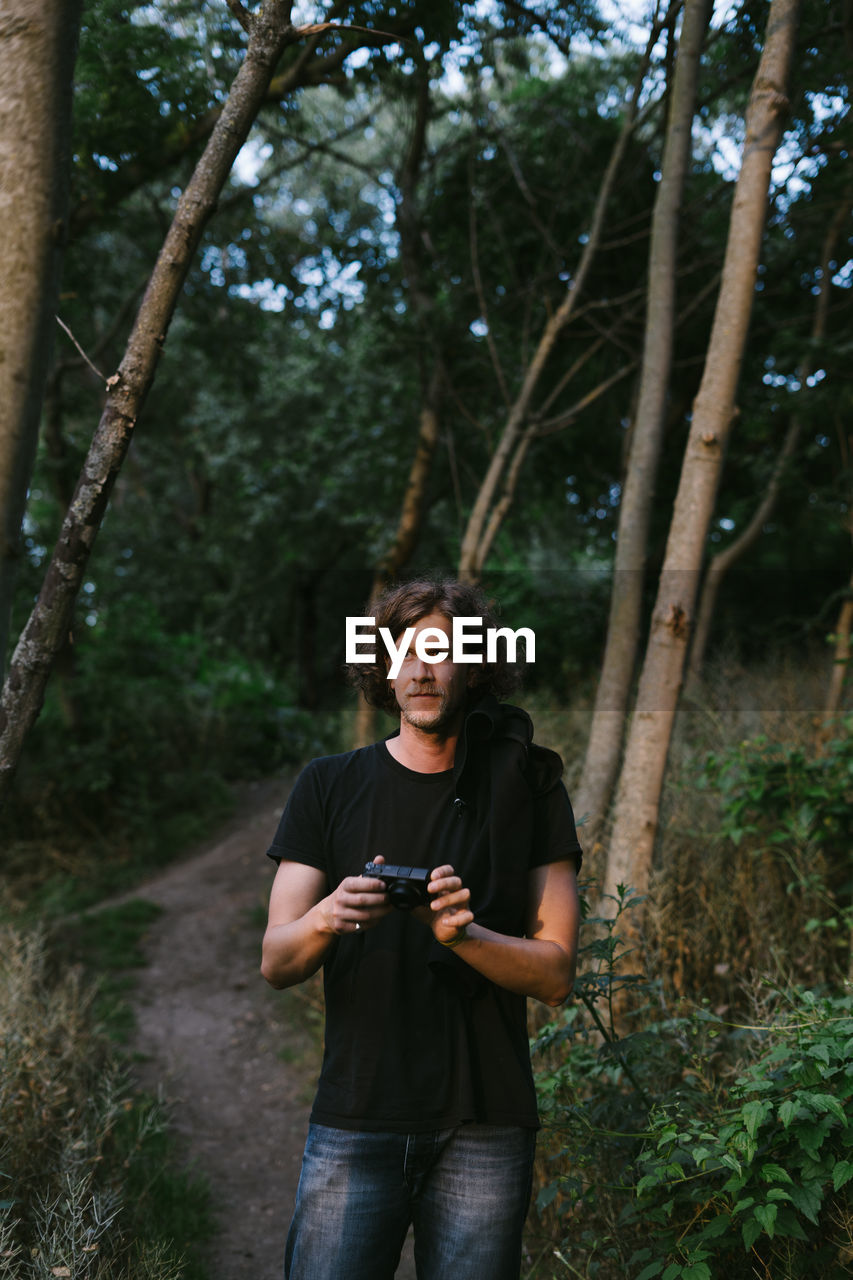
[[359, 902], [448, 913]]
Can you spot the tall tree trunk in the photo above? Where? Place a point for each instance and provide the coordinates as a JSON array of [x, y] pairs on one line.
[[408, 527], [601, 763], [720, 564], [641, 779], [840, 662], [38, 45], [270, 30]]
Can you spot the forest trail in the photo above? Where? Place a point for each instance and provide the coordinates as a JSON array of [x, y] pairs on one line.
[[235, 1061]]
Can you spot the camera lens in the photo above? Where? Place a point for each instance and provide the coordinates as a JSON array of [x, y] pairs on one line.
[[404, 896]]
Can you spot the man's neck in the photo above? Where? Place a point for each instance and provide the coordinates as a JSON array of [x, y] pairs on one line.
[[421, 751]]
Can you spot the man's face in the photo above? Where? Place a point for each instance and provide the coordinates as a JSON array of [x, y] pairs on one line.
[[431, 695]]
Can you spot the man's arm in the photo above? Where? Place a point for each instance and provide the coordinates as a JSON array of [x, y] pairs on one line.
[[542, 964], [304, 920]]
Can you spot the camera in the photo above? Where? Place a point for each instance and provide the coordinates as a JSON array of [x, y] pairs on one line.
[[406, 886]]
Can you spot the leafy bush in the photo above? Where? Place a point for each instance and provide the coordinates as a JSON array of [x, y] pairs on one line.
[[87, 1190], [792, 808], [753, 872], [692, 1145]]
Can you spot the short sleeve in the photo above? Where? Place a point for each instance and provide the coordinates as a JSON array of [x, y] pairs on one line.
[[555, 836], [300, 836]]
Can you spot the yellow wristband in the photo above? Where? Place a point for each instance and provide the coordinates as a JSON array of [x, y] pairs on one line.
[[454, 942]]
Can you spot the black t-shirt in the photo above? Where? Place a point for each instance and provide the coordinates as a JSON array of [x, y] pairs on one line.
[[415, 1039]]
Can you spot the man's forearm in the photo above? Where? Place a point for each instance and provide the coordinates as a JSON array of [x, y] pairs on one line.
[[534, 967], [294, 951]]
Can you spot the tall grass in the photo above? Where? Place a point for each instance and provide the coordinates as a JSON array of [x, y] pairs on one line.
[[86, 1186]]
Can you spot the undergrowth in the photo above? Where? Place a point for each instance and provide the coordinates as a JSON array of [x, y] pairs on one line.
[[681, 1145], [89, 1184], [697, 1112], [134, 757]]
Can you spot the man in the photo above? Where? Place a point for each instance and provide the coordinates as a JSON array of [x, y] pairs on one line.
[[426, 1110]]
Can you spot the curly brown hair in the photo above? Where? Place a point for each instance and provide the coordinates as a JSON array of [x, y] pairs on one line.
[[403, 606]]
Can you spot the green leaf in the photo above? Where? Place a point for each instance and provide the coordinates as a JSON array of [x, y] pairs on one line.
[[808, 1198], [775, 1173], [750, 1232], [811, 1138], [716, 1227], [823, 1102], [754, 1114], [788, 1224], [766, 1215], [842, 1173], [652, 1270], [698, 1271], [546, 1196]]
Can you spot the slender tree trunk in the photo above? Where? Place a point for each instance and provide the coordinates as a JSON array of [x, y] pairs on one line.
[[641, 780], [38, 45], [840, 661], [270, 30], [408, 528], [720, 564], [601, 763]]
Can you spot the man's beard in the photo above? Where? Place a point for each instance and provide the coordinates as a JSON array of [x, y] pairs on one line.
[[432, 717]]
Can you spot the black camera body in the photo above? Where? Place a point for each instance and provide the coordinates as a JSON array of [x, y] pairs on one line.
[[406, 886]]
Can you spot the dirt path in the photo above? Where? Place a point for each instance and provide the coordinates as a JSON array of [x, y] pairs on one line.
[[236, 1061]]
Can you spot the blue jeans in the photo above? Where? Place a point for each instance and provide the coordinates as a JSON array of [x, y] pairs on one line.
[[465, 1190]]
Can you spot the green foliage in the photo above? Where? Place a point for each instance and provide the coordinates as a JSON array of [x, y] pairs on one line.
[[790, 808], [135, 749], [758, 1176], [734, 1141], [90, 1187]]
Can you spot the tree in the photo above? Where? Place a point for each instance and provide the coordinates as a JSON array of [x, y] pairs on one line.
[[638, 797], [269, 31], [721, 563], [38, 41], [601, 763]]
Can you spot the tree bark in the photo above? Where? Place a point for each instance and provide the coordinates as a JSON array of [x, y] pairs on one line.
[[601, 763], [408, 528], [38, 45], [641, 779], [840, 662], [270, 30], [720, 564]]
